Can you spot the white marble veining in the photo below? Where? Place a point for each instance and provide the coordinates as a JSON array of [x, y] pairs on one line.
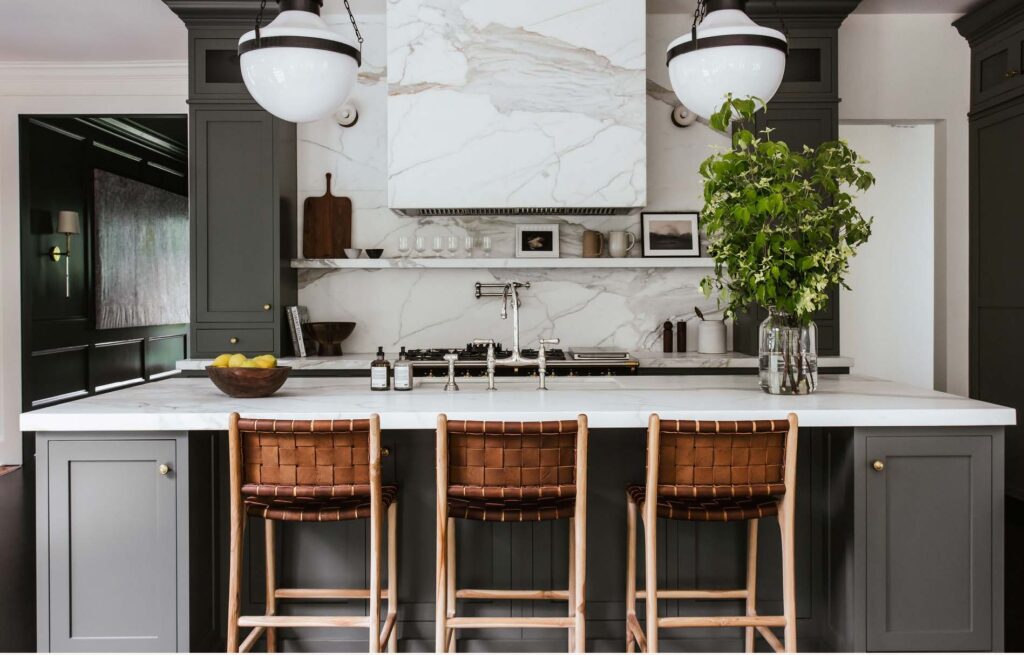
[[361, 361], [416, 308], [609, 402], [533, 103]]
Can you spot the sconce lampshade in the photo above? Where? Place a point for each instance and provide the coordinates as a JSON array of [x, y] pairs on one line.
[[68, 223]]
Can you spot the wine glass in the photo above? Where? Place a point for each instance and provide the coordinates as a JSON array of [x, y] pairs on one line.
[[403, 246], [485, 245], [453, 246], [438, 245], [421, 245], [467, 244]]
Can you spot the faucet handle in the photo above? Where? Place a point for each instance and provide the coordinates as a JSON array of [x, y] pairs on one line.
[[483, 342], [550, 342]]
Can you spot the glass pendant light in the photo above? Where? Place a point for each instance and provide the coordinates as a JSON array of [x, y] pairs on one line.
[[298, 68], [725, 52]]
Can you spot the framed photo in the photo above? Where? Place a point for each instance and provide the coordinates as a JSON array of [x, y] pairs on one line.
[[670, 234], [537, 240]]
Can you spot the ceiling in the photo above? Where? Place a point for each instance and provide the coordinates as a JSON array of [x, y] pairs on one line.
[[916, 6], [90, 30]]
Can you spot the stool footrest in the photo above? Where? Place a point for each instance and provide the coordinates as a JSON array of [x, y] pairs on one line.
[[512, 594], [461, 622], [327, 594], [697, 594], [722, 622], [304, 621]]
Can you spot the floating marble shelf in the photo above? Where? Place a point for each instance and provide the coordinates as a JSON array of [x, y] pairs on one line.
[[492, 263]]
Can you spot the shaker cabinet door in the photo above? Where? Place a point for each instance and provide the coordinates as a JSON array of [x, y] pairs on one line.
[[112, 546], [928, 543], [235, 199]]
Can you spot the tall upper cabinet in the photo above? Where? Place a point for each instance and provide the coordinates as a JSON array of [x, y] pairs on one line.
[[805, 111], [243, 195], [995, 32]]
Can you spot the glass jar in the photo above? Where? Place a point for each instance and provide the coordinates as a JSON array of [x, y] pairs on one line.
[[788, 354]]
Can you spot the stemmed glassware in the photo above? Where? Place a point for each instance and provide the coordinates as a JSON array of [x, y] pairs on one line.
[[438, 246], [453, 246], [421, 245], [403, 246], [485, 245], [467, 244]]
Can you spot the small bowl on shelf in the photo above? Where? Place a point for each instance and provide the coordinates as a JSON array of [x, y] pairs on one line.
[[240, 382], [352, 253], [374, 253], [329, 335]]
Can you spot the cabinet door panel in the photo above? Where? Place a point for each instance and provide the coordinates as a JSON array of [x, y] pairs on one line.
[[235, 211], [112, 546], [929, 523]]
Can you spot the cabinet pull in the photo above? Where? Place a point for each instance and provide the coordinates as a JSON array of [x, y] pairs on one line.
[[266, 307], [1011, 73], [385, 452], [233, 340], [164, 469], [878, 465]]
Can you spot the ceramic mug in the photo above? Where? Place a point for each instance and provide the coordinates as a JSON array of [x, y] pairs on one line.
[[593, 243], [620, 243], [711, 337]]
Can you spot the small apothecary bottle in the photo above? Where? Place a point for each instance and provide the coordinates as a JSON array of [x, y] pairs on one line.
[[380, 372], [402, 372]]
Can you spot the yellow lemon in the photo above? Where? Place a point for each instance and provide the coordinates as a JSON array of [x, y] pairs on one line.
[[268, 358], [249, 363], [221, 361], [263, 363], [236, 360]]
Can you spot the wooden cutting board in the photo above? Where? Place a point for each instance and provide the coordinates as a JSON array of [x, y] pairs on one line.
[[326, 225]]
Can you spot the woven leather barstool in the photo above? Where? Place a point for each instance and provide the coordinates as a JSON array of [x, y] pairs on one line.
[[714, 471], [511, 471], [310, 471]]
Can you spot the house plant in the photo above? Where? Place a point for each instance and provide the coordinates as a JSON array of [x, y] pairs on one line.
[[782, 227]]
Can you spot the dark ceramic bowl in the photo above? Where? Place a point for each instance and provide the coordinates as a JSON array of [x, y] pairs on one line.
[[329, 335], [374, 253], [248, 382]]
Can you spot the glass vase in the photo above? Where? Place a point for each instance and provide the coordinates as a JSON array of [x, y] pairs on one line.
[[788, 354]]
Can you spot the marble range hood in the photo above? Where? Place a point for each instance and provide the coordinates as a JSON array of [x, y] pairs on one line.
[[528, 107]]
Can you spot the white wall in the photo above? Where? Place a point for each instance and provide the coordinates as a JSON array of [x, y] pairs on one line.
[[887, 322], [917, 67], [84, 88]]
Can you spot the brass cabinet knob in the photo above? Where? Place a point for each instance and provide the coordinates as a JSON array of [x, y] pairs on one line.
[[266, 307], [1011, 73], [385, 452], [878, 465], [164, 469], [233, 340]]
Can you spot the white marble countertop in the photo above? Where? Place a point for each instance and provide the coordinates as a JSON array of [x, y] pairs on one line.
[[646, 359], [609, 402]]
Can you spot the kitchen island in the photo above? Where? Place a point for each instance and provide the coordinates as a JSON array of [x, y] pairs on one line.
[[899, 535]]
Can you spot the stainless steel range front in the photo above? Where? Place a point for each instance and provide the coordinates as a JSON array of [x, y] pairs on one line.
[[472, 361]]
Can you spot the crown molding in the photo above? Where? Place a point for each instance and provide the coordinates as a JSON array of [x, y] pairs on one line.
[[220, 12], [804, 13], [988, 18], [55, 78]]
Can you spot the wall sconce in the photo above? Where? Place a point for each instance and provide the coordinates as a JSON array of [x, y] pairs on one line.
[[347, 116], [67, 224]]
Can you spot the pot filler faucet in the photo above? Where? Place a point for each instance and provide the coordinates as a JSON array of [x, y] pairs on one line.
[[509, 292]]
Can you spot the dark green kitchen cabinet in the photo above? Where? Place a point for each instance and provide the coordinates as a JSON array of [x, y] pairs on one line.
[[112, 536]]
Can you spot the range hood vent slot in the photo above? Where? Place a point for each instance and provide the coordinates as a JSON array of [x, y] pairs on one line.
[[517, 211]]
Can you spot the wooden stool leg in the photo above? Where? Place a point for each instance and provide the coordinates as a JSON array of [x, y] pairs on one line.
[[375, 552], [451, 599], [393, 574], [788, 575], [441, 585], [235, 577], [751, 580], [650, 520], [271, 575], [580, 532], [630, 571], [572, 582]]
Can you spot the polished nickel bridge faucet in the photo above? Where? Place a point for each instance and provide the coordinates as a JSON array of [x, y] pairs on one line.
[[509, 292]]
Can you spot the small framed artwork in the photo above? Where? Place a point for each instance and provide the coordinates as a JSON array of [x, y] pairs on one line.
[[670, 234], [537, 240]]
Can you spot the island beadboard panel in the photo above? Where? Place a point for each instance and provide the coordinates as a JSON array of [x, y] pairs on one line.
[[622, 308]]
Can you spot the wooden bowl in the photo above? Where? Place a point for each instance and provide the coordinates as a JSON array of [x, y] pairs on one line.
[[248, 382], [329, 335]]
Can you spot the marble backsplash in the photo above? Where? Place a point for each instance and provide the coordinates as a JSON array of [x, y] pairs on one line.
[[623, 308]]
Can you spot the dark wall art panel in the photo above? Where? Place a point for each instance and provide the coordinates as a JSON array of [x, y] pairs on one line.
[[141, 253]]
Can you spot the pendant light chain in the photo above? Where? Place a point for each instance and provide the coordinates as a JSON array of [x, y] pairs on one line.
[[698, 17], [782, 19], [259, 20], [351, 17]]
